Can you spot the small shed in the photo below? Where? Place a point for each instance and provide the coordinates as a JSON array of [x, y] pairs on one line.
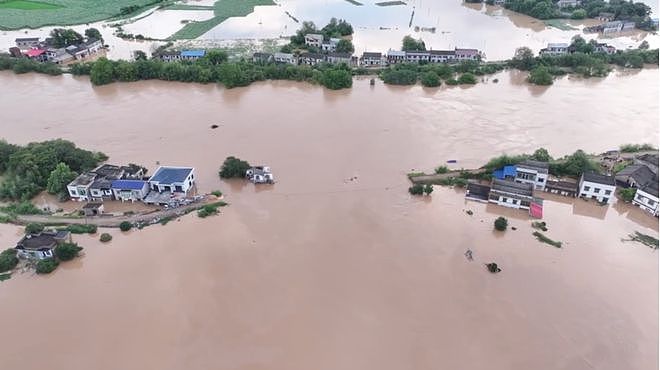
[[93, 209]]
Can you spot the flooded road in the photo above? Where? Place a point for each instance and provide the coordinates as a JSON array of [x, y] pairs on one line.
[[321, 272]]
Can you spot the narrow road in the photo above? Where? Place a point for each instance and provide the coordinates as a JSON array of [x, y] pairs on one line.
[[436, 178]]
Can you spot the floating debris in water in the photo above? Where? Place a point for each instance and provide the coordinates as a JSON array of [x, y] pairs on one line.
[[493, 268], [469, 212], [647, 240], [214, 126]]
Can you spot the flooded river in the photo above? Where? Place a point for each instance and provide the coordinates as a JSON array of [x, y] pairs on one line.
[[335, 266]]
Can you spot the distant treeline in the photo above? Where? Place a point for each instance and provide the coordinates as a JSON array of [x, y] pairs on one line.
[[432, 74]]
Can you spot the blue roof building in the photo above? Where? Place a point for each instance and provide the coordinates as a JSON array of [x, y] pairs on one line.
[[193, 54], [172, 179], [505, 172], [128, 184], [132, 190]]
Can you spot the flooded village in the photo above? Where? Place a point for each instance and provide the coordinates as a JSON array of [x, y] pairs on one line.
[[320, 257]]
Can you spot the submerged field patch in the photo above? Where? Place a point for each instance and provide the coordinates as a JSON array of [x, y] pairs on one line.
[[18, 14], [27, 5]]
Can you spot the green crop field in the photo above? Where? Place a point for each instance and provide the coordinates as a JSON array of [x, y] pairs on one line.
[[15, 14], [27, 5], [222, 9]]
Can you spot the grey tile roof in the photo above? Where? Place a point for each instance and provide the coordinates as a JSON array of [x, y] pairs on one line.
[[651, 188], [512, 187], [539, 166], [598, 178]]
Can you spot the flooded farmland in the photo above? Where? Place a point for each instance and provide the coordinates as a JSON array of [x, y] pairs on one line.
[[336, 266]]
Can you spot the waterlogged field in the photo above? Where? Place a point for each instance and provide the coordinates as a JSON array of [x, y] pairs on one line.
[[15, 14], [222, 9]]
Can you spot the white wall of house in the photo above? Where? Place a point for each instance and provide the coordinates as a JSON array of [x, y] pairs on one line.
[[131, 195], [184, 186], [646, 201], [600, 192], [79, 192], [529, 176], [510, 201], [34, 254]]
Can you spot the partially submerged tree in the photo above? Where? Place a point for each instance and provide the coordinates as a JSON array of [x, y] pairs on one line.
[[233, 167], [501, 223]]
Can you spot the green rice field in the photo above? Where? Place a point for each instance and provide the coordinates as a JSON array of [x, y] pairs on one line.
[[222, 10], [15, 14]]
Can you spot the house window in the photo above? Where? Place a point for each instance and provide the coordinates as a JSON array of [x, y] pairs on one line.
[[505, 199], [587, 188], [605, 199], [82, 192], [608, 192], [596, 190], [73, 192], [583, 194], [651, 203]]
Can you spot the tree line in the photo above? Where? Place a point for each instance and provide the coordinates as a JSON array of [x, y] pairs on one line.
[[433, 74], [48, 165]]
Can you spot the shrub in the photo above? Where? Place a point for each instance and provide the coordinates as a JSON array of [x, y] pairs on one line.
[[545, 239], [540, 225], [632, 148], [217, 193], [501, 223], [208, 210], [627, 194], [47, 265], [23, 208], [428, 189], [67, 251], [467, 79], [8, 259], [430, 79], [233, 167], [125, 226], [34, 228], [417, 189], [492, 267], [540, 76], [442, 169], [82, 229], [105, 237]]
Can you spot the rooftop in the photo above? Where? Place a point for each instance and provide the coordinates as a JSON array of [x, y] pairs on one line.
[[34, 52], [369, 54], [170, 175], [650, 158], [442, 52], [93, 205], [101, 184], [43, 240], [83, 179], [128, 184], [312, 56], [561, 185], [477, 191], [23, 39], [598, 178], [193, 53], [651, 188], [109, 171], [534, 165], [504, 172], [512, 187], [557, 45], [467, 51]]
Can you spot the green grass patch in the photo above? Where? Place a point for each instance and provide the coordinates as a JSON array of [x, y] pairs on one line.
[[560, 24], [82, 229], [647, 240], [27, 5], [390, 3], [357, 3], [222, 10], [544, 239], [540, 225], [4, 277], [416, 174]]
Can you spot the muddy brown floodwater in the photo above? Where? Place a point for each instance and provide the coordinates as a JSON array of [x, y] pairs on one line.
[[323, 272]]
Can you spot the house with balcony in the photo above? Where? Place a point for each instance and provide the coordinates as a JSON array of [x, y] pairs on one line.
[[396, 56], [511, 194], [554, 49], [314, 39], [285, 58], [442, 56], [532, 172], [593, 185], [372, 59], [79, 188]]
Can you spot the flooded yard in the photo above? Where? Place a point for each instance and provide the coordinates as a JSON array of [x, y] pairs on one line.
[[322, 272]]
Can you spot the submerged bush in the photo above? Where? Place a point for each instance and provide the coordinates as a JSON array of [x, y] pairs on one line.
[[67, 251], [105, 237], [46, 266], [125, 226], [501, 223]]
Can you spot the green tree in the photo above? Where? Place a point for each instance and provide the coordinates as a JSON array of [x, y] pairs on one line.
[[67, 251], [627, 194], [34, 228], [102, 72], [215, 57], [139, 55], [574, 165], [467, 79], [501, 223], [541, 154], [93, 33], [410, 44], [428, 189], [105, 237], [523, 59], [46, 265], [64, 37], [125, 226], [540, 76], [417, 189], [579, 14], [345, 46], [233, 167], [336, 79], [430, 79], [8, 259], [59, 178]]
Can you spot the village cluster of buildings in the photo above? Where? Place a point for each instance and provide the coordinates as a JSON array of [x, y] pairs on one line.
[[554, 49], [371, 59], [168, 186], [44, 51], [514, 186]]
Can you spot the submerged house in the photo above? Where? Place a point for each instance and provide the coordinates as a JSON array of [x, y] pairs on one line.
[[260, 175], [596, 186], [79, 188], [636, 176], [511, 194], [40, 245], [478, 192], [532, 172], [561, 187], [172, 179]]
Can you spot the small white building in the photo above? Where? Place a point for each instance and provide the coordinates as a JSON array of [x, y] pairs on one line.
[[369, 59], [314, 39], [646, 198], [596, 186], [27, 42], [442, 56], [172, 179], [467, 54], [311, 59], [532, 172], [330, 45], [338, 58], [568, 3], [260, 175], [79, 188], [417, 56], [555, 49], [285, 58]]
